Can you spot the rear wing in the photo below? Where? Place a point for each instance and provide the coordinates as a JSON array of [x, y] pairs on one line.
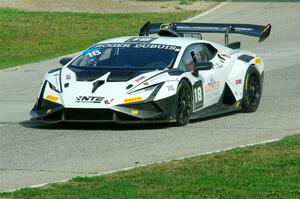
[[178, 29]]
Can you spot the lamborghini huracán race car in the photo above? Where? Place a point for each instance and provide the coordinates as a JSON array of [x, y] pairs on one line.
[[167, 73]]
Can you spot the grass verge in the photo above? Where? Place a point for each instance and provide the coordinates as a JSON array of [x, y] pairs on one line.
[[263, 171], [27, 37]]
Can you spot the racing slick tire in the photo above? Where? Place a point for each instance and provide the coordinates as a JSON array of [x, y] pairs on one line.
[[184, 103], [252, 90]]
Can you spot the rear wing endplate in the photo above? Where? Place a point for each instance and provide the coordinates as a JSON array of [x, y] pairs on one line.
[[262, 32]]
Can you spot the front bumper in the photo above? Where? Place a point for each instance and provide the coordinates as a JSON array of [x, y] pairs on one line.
[[162, 110]]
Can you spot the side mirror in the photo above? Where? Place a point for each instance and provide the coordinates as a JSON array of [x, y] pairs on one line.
[[235, 45], [206, 65], [65, 60]]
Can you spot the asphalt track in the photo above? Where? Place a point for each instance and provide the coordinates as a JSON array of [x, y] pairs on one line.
[[30, 154]]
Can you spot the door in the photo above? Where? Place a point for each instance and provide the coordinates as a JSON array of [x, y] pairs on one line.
[[208, 84]]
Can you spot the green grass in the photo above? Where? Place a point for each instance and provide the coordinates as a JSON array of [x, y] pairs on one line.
[[263, 171], [27, 37]]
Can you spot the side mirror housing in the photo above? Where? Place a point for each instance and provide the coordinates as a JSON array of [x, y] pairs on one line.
[[65, 60], [202, 66]]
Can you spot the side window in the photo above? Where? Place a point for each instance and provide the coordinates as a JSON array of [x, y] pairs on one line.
[[210, 50], [193, 54]]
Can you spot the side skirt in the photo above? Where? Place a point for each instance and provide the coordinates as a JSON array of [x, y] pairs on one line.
[[226, 104], [216, 109]]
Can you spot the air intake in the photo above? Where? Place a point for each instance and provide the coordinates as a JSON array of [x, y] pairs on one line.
[[97, 84]]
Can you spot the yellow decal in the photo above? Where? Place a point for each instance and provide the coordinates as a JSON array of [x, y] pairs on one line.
[[164, 26], [133, 99], [237, 104], [52, 98], [266, 28], [258, 60], [49, 111], [134, 112]]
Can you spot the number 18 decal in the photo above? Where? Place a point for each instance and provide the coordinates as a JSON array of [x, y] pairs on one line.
[[198, 95], [94, 53]]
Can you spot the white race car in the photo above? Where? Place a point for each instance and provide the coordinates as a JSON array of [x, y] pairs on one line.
[[167, 73]]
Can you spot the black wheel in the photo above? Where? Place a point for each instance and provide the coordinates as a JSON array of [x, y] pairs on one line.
[[252, 90], [184, 104]]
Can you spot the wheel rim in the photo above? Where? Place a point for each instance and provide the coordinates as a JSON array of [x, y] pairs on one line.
[[253, 90], [184, 104]]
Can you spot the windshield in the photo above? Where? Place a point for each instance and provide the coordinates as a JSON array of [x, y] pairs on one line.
[[126, 55]]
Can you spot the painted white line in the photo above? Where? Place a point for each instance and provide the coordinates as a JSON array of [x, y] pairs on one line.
[[207, 12], [143, 165]]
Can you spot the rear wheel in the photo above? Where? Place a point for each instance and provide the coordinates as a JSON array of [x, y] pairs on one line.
[[184, 103], [252, 90]]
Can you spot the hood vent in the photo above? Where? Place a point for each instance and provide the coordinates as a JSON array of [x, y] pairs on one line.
[[97, 84], [87, 75]]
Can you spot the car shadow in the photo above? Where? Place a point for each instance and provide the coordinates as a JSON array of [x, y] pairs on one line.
[[96, 126], [114, 126], [214, 117]]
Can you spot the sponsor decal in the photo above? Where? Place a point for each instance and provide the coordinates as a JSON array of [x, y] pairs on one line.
[[130, 45], [113, 45], [68, 76], [218, 65], [193, 35], [170, 88], [109, 101], [212, 86], [133, 99], [157, 46], [134, 112], [238, 81], [141, 40], [212, 94], [237, 104], [49, 111], [212, 89], [52, 98], [137, 80], [89, 99]]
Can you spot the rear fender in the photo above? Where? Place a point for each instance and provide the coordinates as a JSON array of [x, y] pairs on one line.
[[238, 72]]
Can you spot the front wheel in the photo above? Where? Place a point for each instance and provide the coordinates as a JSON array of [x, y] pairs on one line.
[[252, 90], [184, 103]]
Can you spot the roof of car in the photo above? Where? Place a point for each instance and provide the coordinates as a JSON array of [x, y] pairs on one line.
[[176, 41]]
